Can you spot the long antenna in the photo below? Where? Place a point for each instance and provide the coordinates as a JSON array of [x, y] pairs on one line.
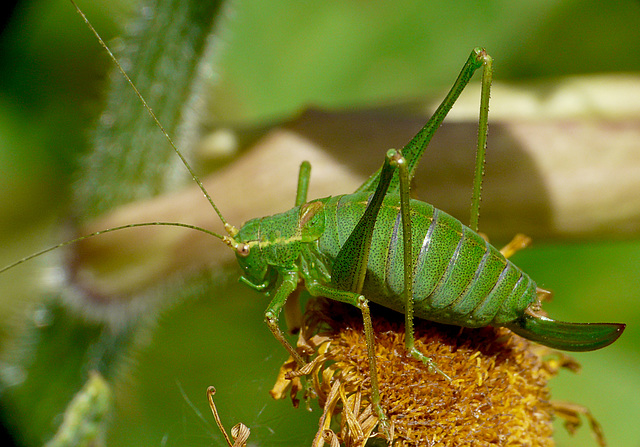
[[229, 228], [226, 239]]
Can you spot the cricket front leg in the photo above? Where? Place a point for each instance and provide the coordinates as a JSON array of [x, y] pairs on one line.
[[272, 315]]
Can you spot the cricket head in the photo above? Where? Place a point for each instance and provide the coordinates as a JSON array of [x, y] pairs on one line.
[[246, 244]]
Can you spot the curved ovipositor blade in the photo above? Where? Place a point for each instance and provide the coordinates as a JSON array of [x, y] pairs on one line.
[[566, 336]]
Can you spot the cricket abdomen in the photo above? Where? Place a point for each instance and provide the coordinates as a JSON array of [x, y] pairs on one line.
[[459, 278]]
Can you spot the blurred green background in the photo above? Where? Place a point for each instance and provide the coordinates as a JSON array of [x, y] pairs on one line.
[[279, 58]]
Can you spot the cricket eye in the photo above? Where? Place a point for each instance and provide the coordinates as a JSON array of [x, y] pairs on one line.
[[243, 250]]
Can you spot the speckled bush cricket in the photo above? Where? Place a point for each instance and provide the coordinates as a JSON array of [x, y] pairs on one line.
[[422, 260]]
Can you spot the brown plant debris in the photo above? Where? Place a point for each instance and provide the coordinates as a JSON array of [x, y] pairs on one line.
[[498, 394], [239, 432]]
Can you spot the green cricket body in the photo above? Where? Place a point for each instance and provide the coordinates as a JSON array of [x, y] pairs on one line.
[[458, 277], [376, 244]]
